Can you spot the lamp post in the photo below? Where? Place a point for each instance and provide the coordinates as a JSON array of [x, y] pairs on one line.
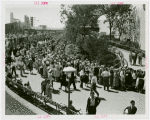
[[68, 71]]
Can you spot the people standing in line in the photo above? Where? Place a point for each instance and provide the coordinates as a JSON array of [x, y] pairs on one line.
[[21, 66], [31, 65], [130, 57], [14, 65], [128, 78], [86, 78], [130, 109], [63, 81], [92, 104], [111, 77], [140, 81], [134, 77], [72, 80], [81, 77], [93, 84], [140, 58], [122, 78], [106, 75], [135, 58], [48, 89], [96, 71], [50, 77], [43, 86], [116, 79], [100, 76], [44, 69]]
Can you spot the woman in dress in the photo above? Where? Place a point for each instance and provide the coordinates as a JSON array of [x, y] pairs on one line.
[[44, 70], [48, 89], [116, 79]]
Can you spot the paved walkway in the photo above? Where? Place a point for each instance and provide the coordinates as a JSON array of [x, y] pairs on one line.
[[126, 56], [113, 102]]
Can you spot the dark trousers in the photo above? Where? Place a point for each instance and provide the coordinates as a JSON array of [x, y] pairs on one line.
[[92, 110], [74, 85], [81, 84], [43, 89], [140, 61], [106, 82], [93, 88], [135, 61], [14, 70], [21, 71], [111, 81]]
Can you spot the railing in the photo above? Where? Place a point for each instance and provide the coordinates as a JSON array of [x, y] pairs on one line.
[[61, 109]]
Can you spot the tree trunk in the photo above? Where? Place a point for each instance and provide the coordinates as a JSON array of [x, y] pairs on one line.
[[110, 30], [119, 36]]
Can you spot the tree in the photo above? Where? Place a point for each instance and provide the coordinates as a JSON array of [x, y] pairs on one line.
[[108, 11], [116, 16], [76, 18], [122, 18]]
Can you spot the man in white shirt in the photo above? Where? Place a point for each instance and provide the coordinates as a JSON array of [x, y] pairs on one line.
[[105, 74], [93, 84]]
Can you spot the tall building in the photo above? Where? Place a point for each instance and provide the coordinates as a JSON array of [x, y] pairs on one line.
[[12, 19], [23, 25]]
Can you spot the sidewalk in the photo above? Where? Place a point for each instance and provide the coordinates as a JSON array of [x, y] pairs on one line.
[[15, 105]]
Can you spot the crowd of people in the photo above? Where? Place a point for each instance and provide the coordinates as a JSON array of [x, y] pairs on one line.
[[50, 63], [134, 56]]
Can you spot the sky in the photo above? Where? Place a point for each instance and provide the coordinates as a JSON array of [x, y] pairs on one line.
[[44, 14]]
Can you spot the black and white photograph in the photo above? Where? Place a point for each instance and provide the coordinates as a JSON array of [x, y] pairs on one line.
[[75, 58]]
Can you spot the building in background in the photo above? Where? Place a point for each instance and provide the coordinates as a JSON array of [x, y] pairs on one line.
[[24, 25], [43, 27]]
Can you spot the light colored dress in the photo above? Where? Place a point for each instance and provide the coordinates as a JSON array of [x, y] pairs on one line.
[[48, 90], [116, 80]]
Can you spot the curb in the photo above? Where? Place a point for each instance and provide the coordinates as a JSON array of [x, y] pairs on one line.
[[25, 103]]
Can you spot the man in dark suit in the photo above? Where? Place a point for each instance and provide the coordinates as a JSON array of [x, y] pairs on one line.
[[131, 109]]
